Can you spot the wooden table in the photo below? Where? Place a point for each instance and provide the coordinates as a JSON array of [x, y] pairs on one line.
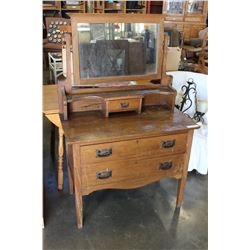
[[51, 111]]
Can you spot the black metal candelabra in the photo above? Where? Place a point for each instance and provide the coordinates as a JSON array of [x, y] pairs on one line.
[[186, 89]]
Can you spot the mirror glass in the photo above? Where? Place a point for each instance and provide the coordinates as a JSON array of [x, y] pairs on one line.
[[117, 49], [195, 7], [175, 7]]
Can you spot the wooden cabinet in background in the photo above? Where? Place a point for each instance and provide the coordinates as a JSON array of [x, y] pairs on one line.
[[189, 17], [60, 8], [139, 7]]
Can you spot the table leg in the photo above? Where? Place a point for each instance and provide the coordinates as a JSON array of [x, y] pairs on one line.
[[60, 160], [55, 119], [52, 141]]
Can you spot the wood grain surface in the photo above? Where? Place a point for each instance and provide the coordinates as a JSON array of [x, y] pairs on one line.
[[91, 127]]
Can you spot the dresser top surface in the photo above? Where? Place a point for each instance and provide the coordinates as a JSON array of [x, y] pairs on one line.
[[91, 127]]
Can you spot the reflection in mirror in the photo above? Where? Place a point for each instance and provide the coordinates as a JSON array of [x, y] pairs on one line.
[[117, 49], [195, 7], [175, 6]]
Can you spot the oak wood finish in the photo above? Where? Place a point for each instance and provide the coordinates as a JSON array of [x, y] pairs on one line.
[[122, 104], [51, 111], [77, 185], [115, 18], [126, 173], [75, 99], [182, 181], [127, 150], [108, 102], [135, 148], [188, 23], [70, 168]]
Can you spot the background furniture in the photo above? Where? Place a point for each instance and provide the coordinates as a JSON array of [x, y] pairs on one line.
[[60, 8], [155, 7], [51, 111], [139, 7], [195, 52], [55, 65], [198, 157], [202, 66], [189, 17]]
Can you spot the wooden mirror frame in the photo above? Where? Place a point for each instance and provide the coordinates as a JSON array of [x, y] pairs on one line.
[[116, 18]]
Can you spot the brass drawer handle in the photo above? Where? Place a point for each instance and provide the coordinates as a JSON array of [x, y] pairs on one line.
[[104, 174], [167, 144], [124, 104], [104, 152], [166, 165]]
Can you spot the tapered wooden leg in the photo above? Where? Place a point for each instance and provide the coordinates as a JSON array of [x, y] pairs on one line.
[[180, 192], [70, 167], [52, 141], [79, 210], [182, 181], [71, 188], [60, 160], [77, 186]]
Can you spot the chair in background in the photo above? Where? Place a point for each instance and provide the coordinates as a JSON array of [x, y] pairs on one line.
[[202, 66], [198, 157], [198, 49], [55, 65]]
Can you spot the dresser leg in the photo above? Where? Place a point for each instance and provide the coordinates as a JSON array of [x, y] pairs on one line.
[[69, 167], [180, 192], [79, 210], [77, 185], [60, 160], [71, 191]]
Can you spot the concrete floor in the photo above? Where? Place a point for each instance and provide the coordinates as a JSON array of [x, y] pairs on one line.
[[143, 218]]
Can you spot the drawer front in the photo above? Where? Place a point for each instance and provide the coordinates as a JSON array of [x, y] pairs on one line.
[[116, 172], [124, 104], [147, 147]]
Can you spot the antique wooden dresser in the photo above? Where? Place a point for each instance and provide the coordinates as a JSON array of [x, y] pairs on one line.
[[117, 107]]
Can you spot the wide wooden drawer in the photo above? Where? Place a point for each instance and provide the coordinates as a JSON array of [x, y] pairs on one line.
[[113, 174], [147, 147]]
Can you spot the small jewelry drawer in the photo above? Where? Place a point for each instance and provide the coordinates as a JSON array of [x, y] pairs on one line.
[[121, 104]]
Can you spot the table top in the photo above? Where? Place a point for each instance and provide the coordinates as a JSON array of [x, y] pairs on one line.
[[50, 99], [92, 127]]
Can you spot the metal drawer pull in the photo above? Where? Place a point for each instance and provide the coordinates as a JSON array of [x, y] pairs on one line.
[[104, 174], [104, 152], [124, 104], [167, 144], [166, 165]]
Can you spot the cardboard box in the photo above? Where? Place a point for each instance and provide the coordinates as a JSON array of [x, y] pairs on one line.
[[173, 58]]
